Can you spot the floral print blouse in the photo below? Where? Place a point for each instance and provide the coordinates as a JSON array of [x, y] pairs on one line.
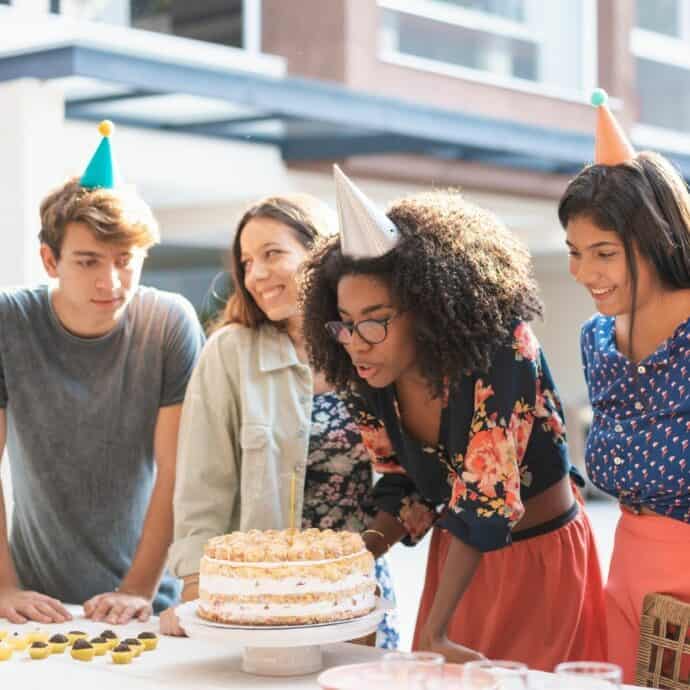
[[502, 441], [338, 489], [638, 446]]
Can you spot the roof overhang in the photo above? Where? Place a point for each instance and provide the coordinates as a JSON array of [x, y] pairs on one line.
[[308, 120]]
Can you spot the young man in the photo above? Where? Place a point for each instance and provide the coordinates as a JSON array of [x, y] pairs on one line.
[[93, 372]]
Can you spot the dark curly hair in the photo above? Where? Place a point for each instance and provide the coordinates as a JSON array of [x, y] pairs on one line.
[[465, 278]]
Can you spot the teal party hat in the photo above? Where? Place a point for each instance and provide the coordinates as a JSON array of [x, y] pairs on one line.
[[102, 171]]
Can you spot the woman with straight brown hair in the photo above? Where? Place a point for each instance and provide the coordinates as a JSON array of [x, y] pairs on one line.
[[265, 443]]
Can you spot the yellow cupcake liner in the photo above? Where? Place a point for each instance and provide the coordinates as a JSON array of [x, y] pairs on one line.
[[39, 652], [83, 654], [19, 644], [37, 636], [58, 647], [150, 643], [74, 636], [100, 647], [121, 657]]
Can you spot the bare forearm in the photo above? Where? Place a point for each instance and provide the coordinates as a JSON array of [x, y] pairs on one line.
[[8, 575], [149, 560], [383, 524], [458, 569], [190, 588]]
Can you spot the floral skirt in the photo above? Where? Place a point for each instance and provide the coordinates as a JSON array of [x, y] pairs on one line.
[[388, 633]]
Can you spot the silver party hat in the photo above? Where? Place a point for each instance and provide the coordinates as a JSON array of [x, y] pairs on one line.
[[365, 231]]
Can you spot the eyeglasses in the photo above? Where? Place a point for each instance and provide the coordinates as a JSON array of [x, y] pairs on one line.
[[371, 331]]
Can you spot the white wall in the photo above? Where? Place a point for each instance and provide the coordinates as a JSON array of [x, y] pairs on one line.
[[567, 306]]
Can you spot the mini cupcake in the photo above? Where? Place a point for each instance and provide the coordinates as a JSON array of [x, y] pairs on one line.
[[110, 637], [100, 645], [137, 646], [74, 635], [39, 650], [18, 642], [82, 650], [149, 640], [58, 643], [121, 654], [5, 651], [38, 635]]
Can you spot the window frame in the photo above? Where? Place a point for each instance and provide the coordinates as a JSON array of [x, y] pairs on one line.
[[473, 19], [674, 51]]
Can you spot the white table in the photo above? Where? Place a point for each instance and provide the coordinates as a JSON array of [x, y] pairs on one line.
[[177, 664]]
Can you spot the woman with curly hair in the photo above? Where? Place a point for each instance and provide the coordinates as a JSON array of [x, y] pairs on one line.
[[627, 223], [265, 442], [422, 316]]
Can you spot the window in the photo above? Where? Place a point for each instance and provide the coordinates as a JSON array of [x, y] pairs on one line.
[[227, 22], [661, 16], [530, 42], [509, 9], [655, 81], [661, 45], [215, 21]]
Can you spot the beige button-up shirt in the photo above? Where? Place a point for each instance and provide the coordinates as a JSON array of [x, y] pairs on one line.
[[244, 433]]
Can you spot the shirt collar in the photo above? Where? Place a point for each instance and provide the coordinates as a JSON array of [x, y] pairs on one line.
[[276, 350]]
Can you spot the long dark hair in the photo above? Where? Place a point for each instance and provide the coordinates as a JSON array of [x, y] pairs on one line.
[[309, 218], [646, 203]]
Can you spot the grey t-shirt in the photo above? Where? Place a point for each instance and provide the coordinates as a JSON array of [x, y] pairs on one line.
[[81, 415]]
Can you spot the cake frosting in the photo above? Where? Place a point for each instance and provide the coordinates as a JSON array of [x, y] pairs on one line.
[[286, 577]]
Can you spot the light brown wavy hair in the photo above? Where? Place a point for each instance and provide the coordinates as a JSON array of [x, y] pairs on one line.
[[113, 216]]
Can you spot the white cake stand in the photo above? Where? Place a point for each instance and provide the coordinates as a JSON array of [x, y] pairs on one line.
[[289, 650]]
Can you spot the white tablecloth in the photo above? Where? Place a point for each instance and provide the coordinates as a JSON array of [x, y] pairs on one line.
[[177, 664]]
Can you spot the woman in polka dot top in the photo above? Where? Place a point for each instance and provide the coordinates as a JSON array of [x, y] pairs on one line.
[[628, 233]]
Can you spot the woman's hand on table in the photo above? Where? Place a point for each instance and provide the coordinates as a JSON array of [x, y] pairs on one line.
[[21, 606], [453, 653], [118, 608], [170, 623]]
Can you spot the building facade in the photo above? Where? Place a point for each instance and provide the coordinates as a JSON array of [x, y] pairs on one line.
[[515, 62]]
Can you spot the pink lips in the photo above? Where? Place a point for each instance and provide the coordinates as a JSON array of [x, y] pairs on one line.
[[107, 303], [366, 371]]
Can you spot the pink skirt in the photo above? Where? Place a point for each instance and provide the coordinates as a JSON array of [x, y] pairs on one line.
[[651, 554], [539, 601]]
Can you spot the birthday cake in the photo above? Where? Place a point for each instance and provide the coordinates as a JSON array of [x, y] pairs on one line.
[[286, 577]]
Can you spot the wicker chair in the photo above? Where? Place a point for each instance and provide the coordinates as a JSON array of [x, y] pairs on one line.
[[663, 657]]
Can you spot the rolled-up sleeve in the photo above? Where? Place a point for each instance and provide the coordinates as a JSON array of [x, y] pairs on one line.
[[208, 472]]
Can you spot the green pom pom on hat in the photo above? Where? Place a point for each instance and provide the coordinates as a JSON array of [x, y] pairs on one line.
[[599, 97]]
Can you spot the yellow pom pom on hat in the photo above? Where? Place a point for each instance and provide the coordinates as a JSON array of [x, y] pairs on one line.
[[101, 172], [611, 145]]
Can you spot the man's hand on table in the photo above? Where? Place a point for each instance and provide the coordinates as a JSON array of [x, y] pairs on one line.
[[118, 608], [170, 623], [21, 606]]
